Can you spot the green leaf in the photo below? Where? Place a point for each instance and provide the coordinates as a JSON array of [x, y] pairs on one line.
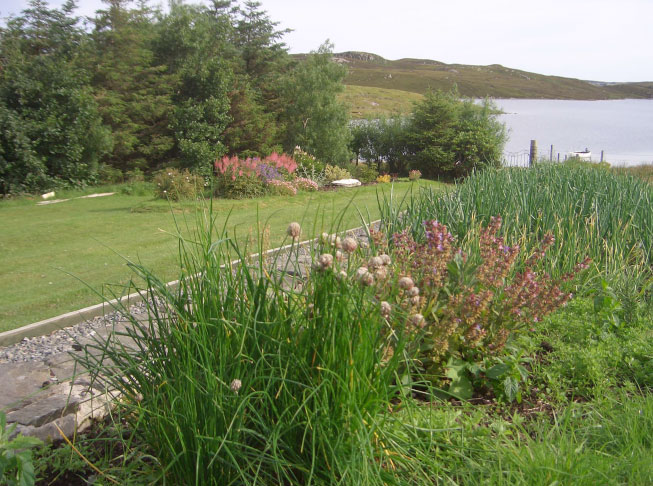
[[461, 386], [510, 388], [497, 371]]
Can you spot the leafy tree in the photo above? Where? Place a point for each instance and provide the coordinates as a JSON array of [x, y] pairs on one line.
[[50, 130], [194, 44], [382, 140], [134, 95], [314, 118], [448, 136]]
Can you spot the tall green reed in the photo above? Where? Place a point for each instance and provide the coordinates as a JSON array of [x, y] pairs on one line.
[[591, 213], [245, 374]]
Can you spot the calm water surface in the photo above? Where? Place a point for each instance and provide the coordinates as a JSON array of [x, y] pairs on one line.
[[623, 129]]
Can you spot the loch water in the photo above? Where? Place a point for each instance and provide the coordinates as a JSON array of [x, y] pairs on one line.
[[622, 129]]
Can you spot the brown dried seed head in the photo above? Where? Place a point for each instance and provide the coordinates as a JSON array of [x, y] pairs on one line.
[[361, 272], [294, 230], [368, 279], [417, 320], [381, 273], [386, 309], [349, 244], [413, 292], [235, 385], [406, 283], [325, 260], [375, 262]]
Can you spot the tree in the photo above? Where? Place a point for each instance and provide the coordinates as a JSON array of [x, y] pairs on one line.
[[50, 130], [194, 44], [257, 39], [314, 118], [448, 136], [134, 95]]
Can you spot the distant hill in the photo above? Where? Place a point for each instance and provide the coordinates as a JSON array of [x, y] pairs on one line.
[[418, 75]]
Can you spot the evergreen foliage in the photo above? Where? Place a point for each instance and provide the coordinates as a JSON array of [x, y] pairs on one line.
[[315, 119], [50, 130], [449, 136], [143, 89], [445, 136], [134, 94]]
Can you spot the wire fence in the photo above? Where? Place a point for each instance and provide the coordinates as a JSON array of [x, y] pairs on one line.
[[522, 158], [516, 159]]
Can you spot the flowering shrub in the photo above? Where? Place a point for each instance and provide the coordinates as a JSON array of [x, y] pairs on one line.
[[281, 188], [306, 161], [384, 179], [268, 172], [414, 175], [305, 184], [335, 173], [464, 309], [175, 185], [252, 177]]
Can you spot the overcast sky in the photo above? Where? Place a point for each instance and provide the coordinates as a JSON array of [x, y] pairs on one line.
[[603, 40]]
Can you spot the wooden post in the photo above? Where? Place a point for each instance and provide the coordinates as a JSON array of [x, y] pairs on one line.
[[532, 158], [551, 154], [558, 156], [601, 155]]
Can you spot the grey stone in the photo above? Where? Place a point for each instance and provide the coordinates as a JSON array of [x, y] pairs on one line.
[[20, 382], [48, 432], [44, 410]]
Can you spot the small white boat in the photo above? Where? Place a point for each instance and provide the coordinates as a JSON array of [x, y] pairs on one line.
[[582, 155]]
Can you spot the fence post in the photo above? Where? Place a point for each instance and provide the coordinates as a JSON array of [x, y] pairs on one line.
[[601, 155], [532, 158], [551, 154]]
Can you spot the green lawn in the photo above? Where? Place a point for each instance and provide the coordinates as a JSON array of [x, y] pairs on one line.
[[41, 245]]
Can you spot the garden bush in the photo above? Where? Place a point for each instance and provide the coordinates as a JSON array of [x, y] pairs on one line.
[[107, 174], [466, 307], [335, 173], [177, 185], [281, 188], [305, 184], [237, 178], [364, 172]]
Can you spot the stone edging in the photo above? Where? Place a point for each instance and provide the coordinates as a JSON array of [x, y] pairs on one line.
[[68, 319]]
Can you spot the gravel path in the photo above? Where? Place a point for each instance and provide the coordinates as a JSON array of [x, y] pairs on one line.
[[65, 340]]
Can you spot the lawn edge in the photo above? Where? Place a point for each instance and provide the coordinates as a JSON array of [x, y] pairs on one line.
[[69, 319]]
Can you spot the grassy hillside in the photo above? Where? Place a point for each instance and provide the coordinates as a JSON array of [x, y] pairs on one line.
[[367, 101], [418, 75]]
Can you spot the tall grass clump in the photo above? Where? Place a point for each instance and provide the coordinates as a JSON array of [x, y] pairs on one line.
[[244, 374], [591, 213]]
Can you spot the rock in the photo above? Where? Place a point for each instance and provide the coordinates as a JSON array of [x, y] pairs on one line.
[[47, 195], [43, 411], [48, 432], [347, 183], [19, 381]]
